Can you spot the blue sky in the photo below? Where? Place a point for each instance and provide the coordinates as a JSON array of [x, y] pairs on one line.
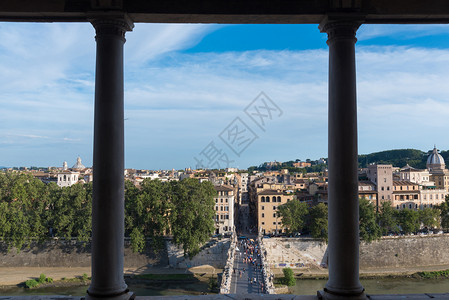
[[186, 83]]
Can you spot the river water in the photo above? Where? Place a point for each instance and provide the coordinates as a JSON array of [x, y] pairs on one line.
[[303, 287], [380, 286]]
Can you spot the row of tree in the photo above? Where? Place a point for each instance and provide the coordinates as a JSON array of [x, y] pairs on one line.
[[297, 217], [31, 210]]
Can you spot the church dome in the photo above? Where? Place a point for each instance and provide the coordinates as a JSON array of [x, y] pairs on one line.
[[435, 160], [78, 165]]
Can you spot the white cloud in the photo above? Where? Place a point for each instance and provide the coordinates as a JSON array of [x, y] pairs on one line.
[[400, 31], [176, 102]]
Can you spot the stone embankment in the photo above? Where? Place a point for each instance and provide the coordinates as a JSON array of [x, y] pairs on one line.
[[225, 286], [214, 253], [266, 271], [306, 255], [71, 253]]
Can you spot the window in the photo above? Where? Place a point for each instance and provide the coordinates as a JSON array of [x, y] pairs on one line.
[[221, 200], [397, 206], [279, 199], [263, 223], [226, 200], [385, 179], [227, 217], [274, 198], [268, 199], [274, 207], [382, 188], [221, 208], [274, 223], [227, 208], [262, 199], [263, 207], [216, 200], [263, 215], [388, 188], [274, 215], [410, 206]]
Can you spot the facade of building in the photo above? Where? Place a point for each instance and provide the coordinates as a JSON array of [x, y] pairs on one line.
[[67, 178], [268, 202], [382, 177], [302, 164], [224, 209], [367, 189], [438, 172], [406, 194]]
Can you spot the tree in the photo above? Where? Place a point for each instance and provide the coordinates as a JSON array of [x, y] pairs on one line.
[[289, 278], [369, 229], [387, 218], [147, 212], [318, 221], [293, 215], [192, 216], [408, 220], [444, 213], [429, 217]]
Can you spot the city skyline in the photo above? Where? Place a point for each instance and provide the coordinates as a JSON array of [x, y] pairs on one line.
[[185, 84]]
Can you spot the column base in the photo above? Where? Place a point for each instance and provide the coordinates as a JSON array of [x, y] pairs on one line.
[[323, 295], [126, 296]]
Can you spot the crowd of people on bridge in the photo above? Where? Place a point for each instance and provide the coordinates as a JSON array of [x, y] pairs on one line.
[[249, 253]]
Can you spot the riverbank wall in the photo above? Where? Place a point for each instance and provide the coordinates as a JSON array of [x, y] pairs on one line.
[[387, 253], [71, 253]]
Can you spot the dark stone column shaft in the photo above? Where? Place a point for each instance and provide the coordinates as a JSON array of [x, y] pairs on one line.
[[343, 179], [108, 162]]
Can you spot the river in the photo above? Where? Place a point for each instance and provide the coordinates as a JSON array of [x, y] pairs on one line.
[[380, 286], [303, 287]]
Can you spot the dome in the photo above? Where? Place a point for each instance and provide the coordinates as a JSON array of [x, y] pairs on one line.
[[435, 160], [78, 165]]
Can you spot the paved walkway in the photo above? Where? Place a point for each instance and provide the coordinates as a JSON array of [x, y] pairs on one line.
[[247, 277]]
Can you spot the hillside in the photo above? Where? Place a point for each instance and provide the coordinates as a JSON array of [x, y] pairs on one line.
[[399, 158]]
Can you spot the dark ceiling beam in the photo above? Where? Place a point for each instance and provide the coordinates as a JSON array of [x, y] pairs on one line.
[[228, 11]]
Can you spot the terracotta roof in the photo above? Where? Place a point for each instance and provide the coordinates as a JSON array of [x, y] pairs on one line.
[[403, 182], [366, 183], [223, 188], [299, 181], [270, 192]]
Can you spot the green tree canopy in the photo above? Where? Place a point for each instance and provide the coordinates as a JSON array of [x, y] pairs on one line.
[[192, 217], [369, 229], [387, 218], [408, 220], [429, 217], [147, 212], [444, 213], [293, 215], [318, 221]]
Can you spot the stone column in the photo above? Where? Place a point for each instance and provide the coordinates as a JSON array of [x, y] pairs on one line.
[[108, 162], [343, 181]]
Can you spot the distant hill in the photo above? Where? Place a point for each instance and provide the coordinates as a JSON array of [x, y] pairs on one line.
[[399, 158]]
